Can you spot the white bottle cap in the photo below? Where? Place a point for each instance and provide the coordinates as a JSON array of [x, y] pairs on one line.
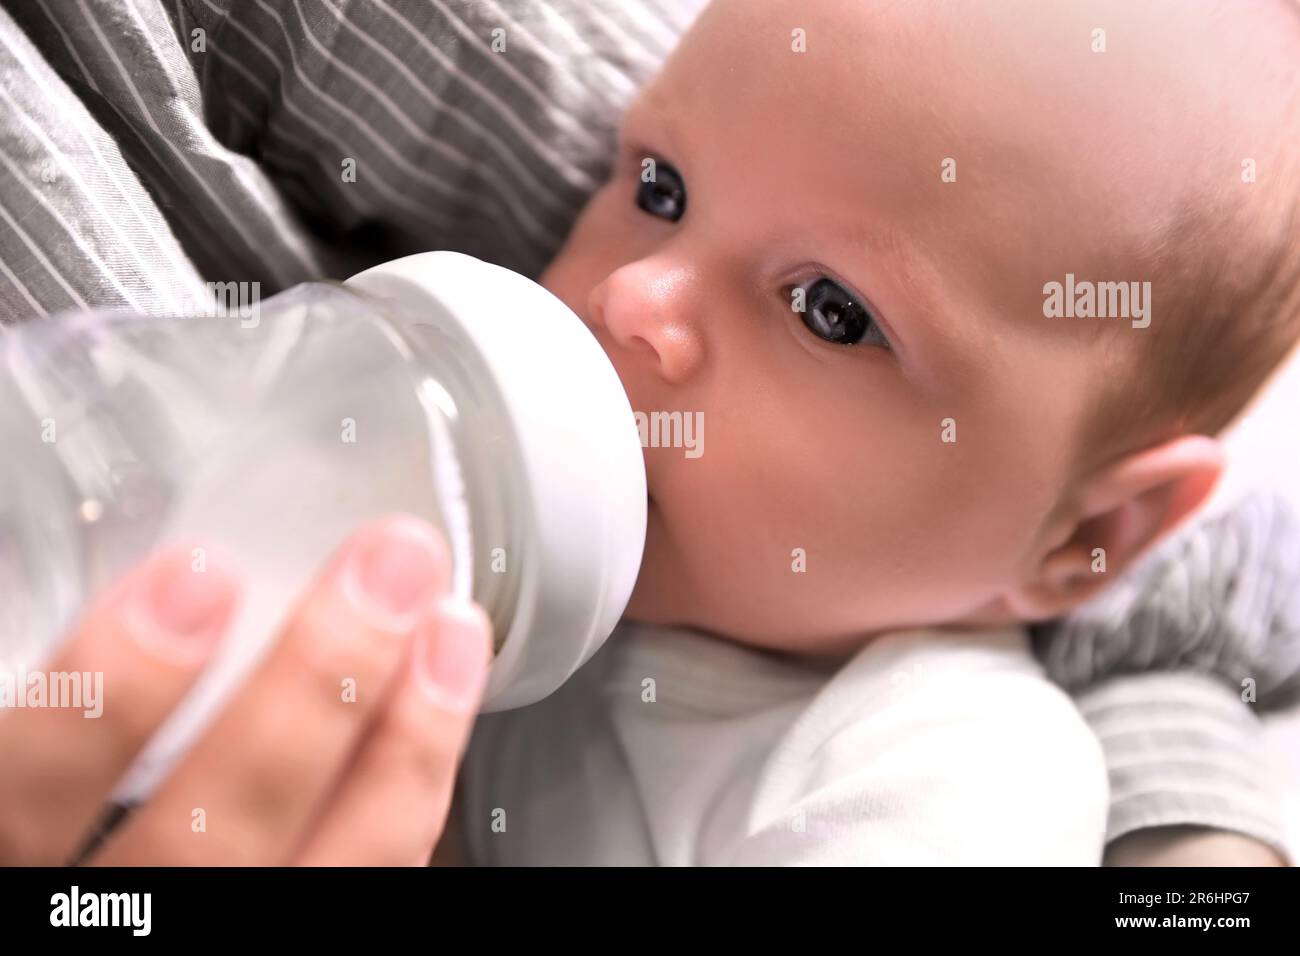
[[580, 452]]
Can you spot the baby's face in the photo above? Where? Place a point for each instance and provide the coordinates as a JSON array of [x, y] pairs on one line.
[[826, 503]]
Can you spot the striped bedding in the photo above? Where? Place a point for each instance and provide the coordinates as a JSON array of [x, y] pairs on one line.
[[148, 148]]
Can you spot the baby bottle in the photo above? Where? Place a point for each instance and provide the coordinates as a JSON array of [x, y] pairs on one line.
[[436, 384]]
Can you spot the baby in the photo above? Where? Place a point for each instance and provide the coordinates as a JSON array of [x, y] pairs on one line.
[[962, 294]]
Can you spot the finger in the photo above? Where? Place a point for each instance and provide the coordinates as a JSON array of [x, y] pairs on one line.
[[129, 661], [270, 758], [391, 804]]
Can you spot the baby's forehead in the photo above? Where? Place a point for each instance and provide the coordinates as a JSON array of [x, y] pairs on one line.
[[893, 91], [1008, 137], [1108, 76]]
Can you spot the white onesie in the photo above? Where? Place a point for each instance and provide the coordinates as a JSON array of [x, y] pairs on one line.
[[674, 748]]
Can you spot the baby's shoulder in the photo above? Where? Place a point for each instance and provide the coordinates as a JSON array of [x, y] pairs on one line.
[[970, 682], [943, 747]]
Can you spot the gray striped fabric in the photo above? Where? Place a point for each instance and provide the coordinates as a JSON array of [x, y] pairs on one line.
[[79, 229], [306, 139], [147, 148], [1182, 749]]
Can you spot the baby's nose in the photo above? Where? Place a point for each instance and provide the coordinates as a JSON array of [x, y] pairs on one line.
[[651, 313]]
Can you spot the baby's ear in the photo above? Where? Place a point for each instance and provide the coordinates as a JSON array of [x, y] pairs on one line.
[[1117, 514]]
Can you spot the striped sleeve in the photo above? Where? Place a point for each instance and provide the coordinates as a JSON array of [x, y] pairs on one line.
[[1181, 749]]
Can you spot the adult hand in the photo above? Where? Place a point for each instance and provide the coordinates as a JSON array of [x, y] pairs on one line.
[[294, 770]]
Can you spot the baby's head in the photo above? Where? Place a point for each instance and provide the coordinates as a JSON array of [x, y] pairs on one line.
[[929, 442]]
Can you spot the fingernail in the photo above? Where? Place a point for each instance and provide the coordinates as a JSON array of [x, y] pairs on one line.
[[396, 572], [184, 602], [452, 651]]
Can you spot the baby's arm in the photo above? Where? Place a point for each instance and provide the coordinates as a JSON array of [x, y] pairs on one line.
[[1171, 667]]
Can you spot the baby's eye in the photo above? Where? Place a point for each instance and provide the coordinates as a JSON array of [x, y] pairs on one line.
[[832, 313], [666, 196]]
